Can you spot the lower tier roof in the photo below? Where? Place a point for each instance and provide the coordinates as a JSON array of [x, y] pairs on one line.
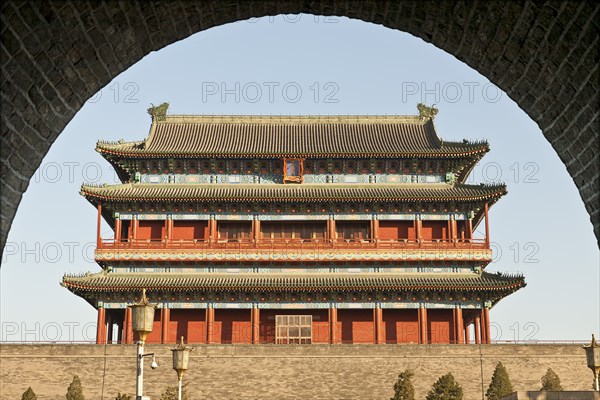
[[293, 193], [318, 282]]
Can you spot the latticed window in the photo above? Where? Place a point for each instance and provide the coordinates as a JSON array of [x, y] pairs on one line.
[[293, 329], [293, 230], [293, 169], [234, 230], [352, 230]]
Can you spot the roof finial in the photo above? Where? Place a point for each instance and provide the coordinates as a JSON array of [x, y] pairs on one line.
[[158, 113], [427, 112]]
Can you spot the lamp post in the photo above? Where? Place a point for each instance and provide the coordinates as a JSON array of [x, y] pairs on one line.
[[592, 353], [181, 358], [142, 315]]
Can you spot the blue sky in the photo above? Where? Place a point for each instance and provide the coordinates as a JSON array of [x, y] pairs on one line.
[[310, 65]]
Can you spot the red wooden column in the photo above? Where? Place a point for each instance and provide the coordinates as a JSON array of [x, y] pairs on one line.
[[165, 318], [454, 328], [168, 229], [258, 235], [212, 229], [135, 223], [483, 330], [487, 227], [98, 238], [378, 316], [125, 326], [460, 333], [101, 326], [423, 325], [333, 325], [255, 317], [118, 226], [454, 234], [331, 228], [210, 324], [477, 330], [256, 230], [486, 327], [418, 227], [375, 232]]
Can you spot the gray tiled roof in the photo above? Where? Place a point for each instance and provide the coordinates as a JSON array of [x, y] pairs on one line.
[[293, 192], [293, 136], [125, 282]]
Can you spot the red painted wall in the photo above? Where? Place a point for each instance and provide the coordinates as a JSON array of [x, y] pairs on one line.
[[188, 230], [439, 326], [320, 327], [154, 230], [396, 230], [357, 326], [187, 323], [434, 230], [401, 326], [353, 326], [233, 326]]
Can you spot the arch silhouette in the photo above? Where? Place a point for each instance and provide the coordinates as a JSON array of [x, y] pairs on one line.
[[58, 55]]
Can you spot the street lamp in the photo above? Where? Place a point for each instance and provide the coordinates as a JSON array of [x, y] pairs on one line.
[[142, 315], [592, 353], [181, 358]]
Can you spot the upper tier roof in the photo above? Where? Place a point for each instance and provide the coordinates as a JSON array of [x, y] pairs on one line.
[[292, 136]]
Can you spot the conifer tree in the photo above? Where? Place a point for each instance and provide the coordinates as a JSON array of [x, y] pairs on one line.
[[446, 388], [403, 388], [29, 395], [500, 385], [551, 382], [75, 392]]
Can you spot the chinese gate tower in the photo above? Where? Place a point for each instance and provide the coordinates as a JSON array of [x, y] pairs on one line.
[[295, 229]]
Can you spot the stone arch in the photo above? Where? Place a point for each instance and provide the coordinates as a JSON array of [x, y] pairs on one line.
[[56, 55]]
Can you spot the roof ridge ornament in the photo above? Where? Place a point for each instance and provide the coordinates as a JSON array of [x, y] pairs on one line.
[[427, 113], [158, 113]]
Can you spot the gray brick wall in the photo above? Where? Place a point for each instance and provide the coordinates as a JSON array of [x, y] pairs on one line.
[[56, 55], [265, 372]]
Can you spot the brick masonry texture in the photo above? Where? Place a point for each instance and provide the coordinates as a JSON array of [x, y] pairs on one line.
[[57, 54], [361, 372]]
